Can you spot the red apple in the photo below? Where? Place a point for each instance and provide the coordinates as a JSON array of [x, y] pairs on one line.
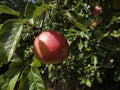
[[97, 10], [51, 47], [95, 23]]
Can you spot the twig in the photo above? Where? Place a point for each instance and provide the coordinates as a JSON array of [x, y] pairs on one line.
[[42, 21], [43, 16]]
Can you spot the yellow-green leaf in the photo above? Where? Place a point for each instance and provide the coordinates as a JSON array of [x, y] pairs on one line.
[[7, 10]]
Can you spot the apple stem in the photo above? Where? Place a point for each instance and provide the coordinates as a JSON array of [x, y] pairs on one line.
[[43, 17]]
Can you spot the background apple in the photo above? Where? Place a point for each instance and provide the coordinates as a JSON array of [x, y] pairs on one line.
[[51, 47], [97, 10], [95, 23]]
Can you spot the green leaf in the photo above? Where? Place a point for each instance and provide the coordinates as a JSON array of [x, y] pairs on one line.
[[14, 68], [10, 34], [35, 80], [100, 34], [1, 25], [29, 11], [10, 84], [39, 10], [18, 55], [94, 60], [36, 62], [74, 22], [10, 77], [99, 79], [13, 82], [7, 10], [4, 87], [23, 83], [115, 33], [88, 82], [2, 81], [85, 81], [23, 79]]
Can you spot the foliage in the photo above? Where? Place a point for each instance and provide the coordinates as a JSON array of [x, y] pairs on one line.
[[94, 47]]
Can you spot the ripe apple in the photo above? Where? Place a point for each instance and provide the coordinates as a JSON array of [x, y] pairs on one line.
[[116, 4], [95, 23], [97, 10], [51, 47]]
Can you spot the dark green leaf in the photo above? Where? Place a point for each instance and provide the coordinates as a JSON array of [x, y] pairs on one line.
[[6, 9], [99, 34], [108, 63], [10, 34], [29, 11], [74, 22], [117, 74], [14, 68], [24, 83], [10, 77], [24, 80], [111, 43]]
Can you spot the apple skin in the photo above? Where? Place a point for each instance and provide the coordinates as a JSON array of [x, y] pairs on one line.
[[51, 47], [95, 23], [97, 10]]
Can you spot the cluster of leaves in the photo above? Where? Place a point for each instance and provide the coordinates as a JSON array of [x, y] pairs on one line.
[[16, 45], [94, 50]]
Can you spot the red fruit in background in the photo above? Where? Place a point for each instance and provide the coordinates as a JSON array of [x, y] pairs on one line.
[[97, 10], [95, 23], [51, 47]]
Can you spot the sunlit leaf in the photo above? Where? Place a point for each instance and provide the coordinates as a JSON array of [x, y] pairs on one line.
[[0, 26], [88, 82], [12, 83], [94, 60], [39, 10], [115, 33], [10, 34], [36, 62]]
